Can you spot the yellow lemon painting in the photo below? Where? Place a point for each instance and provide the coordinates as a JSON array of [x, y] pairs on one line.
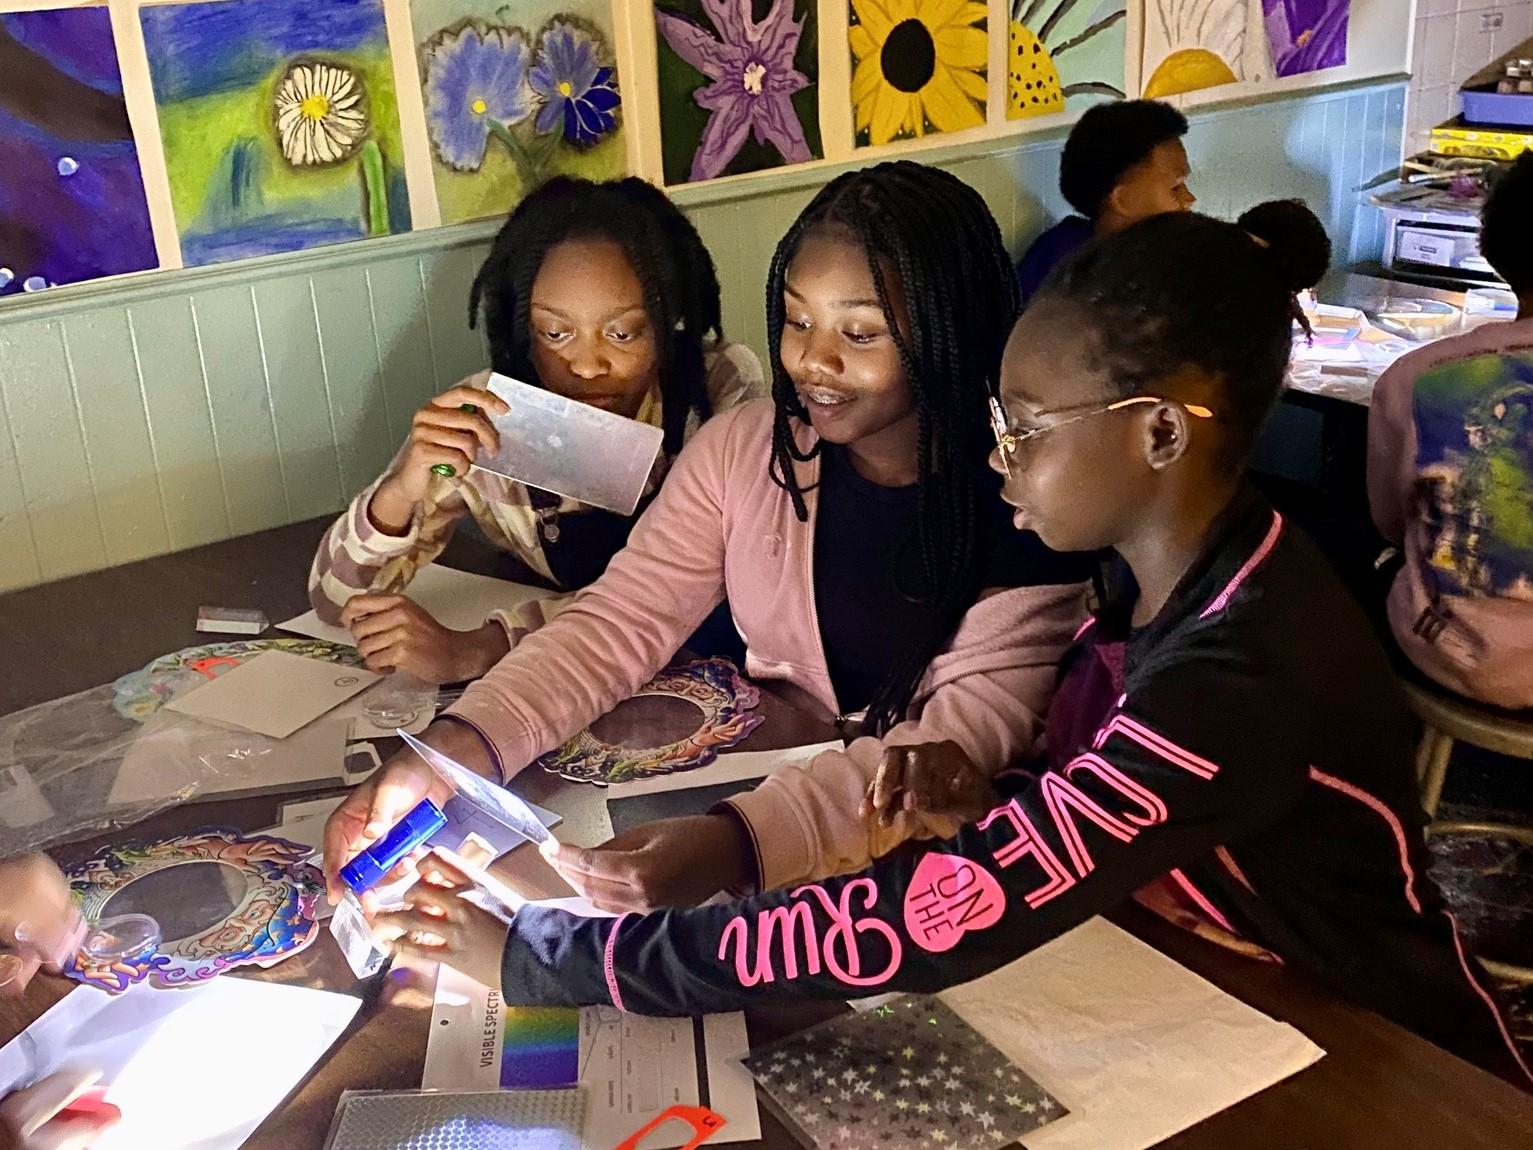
[[1190, 45], [919, 66], [1061, 53]]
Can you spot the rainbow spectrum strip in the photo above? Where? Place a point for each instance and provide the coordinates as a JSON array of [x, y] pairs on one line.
[[540, 1047]]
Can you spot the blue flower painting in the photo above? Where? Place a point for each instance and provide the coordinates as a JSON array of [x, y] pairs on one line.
[[280, 124], [515, 93], [72, 203]]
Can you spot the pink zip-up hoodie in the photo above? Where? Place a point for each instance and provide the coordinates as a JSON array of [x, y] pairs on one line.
[[720, 525], [1450, 480]]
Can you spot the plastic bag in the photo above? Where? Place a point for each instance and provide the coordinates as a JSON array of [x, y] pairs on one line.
[[59, 763]]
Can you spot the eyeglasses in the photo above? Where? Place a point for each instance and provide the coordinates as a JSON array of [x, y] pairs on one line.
[[1008, 441]]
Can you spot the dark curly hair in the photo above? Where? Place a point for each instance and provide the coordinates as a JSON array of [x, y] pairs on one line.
[[1107, 142], [938, 237], [1186, 290], [1506, 226], [681, 288]]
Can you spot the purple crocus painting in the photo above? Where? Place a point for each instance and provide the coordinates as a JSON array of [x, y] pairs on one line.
[[72, 203], [738, 86], [1307, 35]]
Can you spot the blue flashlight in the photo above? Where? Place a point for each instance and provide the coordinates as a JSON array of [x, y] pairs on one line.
[[369, 867]]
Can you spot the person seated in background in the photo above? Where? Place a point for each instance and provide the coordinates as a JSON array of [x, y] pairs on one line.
[[1450, 481], [1123, 162], [599, 292]]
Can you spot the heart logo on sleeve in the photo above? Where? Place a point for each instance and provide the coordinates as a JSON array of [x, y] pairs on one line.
[[948, 897]]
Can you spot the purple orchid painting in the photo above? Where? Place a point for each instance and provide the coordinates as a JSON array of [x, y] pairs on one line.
[[745, 74], [1307, 35]]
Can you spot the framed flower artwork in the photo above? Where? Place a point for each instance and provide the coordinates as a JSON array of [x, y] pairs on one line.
[[918, 67], [279, 122], [739, 86], [514, 94]]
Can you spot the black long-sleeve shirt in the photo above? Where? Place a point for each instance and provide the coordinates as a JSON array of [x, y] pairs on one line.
[[1252, 743]]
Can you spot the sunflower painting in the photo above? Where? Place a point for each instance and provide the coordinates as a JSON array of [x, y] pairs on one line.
[[1190, 45], [515, 93], [280, 125], [1064, 54], [919, 66]]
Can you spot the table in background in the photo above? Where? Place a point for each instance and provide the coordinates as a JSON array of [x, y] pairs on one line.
[[1379, 1086]]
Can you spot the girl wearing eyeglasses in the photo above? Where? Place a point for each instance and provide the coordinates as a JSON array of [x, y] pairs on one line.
[[1228, 732]]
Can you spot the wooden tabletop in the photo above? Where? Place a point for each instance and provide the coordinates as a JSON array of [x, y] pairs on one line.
[[1378, 1086]]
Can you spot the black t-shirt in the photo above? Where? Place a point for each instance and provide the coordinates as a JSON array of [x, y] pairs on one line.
[[870, 588]]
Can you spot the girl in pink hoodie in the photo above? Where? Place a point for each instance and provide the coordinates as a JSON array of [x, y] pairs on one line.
[[866, 558]]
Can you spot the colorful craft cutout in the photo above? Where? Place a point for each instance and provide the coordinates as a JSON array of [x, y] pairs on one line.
[[713, 685], [739, 86], [141, 693], [268, 896], [1062, 55], [514, 94], [280, 124], [72, 203], [1307, 35], [1190, 45], [919, 67]]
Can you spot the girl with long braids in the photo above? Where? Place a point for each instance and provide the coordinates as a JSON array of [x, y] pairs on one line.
[[859, 538], [600, 292], [1228, 728]]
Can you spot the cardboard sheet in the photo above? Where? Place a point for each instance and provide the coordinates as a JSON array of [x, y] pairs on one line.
[[274, 694], [1136, 1045], [455, 599]]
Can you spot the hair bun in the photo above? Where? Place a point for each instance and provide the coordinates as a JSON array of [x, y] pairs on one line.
[[1295, 238]]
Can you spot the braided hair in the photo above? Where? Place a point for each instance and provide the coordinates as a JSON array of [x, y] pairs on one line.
[[937, 236], [681, 288]]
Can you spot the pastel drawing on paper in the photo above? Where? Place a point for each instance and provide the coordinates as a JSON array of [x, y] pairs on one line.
[[1064, 55], [919, 67], [514, 94], [739, 86], [1307, 35], [280, 124], [1190, 45], [72, 203]]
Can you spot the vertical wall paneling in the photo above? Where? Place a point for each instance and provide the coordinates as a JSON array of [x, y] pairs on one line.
[[403, 340], [244, 430], [180, 425], [54, 466], [295, 374], [349, 353], [447, 278], [115, 428], [164, 416]]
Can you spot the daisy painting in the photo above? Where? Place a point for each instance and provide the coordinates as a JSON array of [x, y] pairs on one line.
[[738, 86], [280, 125], [919, 66], [1190, 45], [515, 93]]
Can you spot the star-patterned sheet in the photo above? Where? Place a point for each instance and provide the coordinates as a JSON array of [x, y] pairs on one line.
[[908, 1075]]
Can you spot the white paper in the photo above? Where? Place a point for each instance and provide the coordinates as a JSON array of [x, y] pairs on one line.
[[458, 600], [632, 1067], [1136, 1045], [274, 694], [159, 1054], [734, 767]]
